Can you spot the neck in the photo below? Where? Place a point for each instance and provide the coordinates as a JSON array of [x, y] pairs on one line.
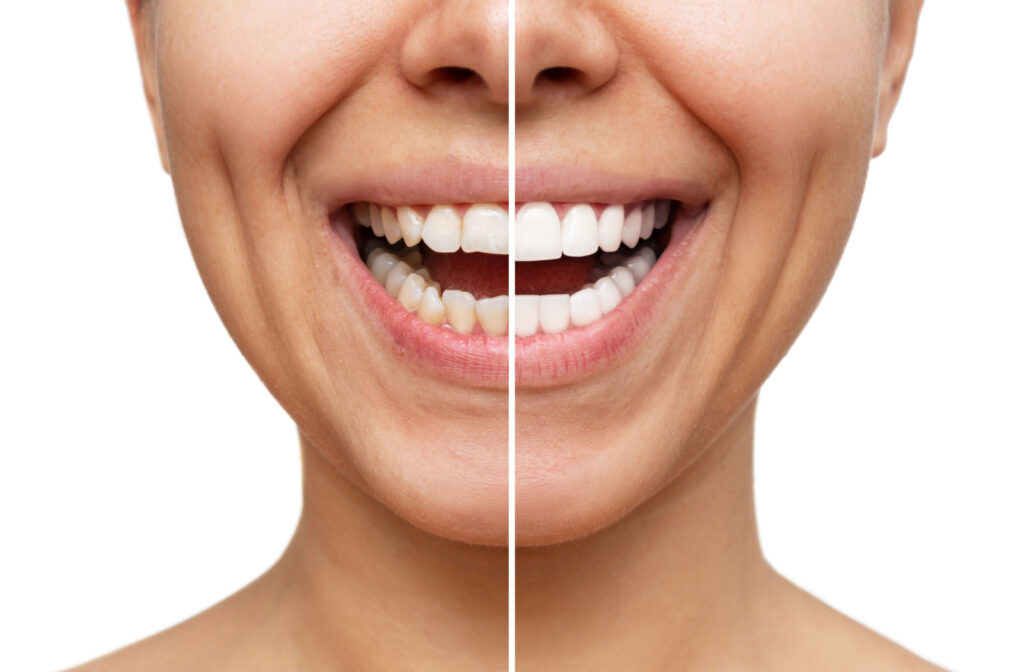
[[671, 586], [370, 591]]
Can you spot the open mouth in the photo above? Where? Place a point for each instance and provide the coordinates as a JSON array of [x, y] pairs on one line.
[[575, 262]]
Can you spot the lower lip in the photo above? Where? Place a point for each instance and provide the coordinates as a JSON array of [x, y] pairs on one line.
[[552, 360], [474, 360], [543, 360]]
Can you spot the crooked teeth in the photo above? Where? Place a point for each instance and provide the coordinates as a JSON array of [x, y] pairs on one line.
[[541, 236]]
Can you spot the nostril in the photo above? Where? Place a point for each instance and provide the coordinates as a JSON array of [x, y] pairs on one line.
[[454, 74], [559, 74]]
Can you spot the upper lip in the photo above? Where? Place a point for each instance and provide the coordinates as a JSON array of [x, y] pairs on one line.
[[575, 185]]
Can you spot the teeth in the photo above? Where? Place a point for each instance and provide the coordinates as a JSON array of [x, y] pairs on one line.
[[485, 229], [493, 315], [541, 235], [442, 229]]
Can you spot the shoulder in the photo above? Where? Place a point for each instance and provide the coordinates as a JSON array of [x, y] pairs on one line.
[[820, 638]]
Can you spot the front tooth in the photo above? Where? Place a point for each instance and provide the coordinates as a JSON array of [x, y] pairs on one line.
[[647, 221], [411, 223], [392, 230], [538, 233], [361, 213], [608, 294], [527, 314], [579, 231], [493, 315], [461, 308], [631, 227], [442, 228], [554, 313], [485, 229], [411, 292], [381, 266], [609, 228], [584, 307], [640, 267], [375, 221], [431, 308], [396, 277], [662, 208], [623, 279]]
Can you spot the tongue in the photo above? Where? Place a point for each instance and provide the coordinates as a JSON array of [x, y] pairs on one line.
[[561, 276], [482, 275]]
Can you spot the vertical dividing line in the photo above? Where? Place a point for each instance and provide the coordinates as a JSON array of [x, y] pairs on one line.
[[511, 336]]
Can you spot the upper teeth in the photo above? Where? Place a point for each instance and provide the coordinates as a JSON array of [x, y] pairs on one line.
[[541, 236], [483, 227]]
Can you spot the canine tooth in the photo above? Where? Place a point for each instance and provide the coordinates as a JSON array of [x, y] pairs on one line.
[[396, 277], [584, 307], [662, 208], [461, 307], [527, 314], [623, 279], [381, 266], [639, 266], [554, 313], [648, 254], [485, 229], [608, 294], [579, 231], [375, 221], [631, 227], [392, 231], [411, 223], [361, 213], [431, 308], [538, 233], [609, 228], [411, 292], [493, 315], [441, 229], [647, 221]]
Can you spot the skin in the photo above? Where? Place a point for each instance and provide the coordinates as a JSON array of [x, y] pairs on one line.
[[659, 566]]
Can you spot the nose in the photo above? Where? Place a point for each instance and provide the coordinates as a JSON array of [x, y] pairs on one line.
[[461, 48], [562, 50]]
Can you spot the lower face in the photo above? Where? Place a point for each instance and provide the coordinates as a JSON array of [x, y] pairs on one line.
[[352, 230]]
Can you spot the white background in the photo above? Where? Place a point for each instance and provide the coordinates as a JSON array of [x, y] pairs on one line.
[[145, 473]]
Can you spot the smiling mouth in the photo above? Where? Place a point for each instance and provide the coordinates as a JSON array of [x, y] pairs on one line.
[[575, 262]]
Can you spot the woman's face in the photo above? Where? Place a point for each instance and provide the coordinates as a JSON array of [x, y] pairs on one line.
[[756, 119]]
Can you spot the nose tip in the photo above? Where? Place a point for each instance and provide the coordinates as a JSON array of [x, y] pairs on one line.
[[461, 48], [561, 50]]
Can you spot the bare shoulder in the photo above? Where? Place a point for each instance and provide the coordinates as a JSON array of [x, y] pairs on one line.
[[226, 637], [820, 638]]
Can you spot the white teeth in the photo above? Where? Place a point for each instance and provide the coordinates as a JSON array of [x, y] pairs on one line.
[[461, 307], [609, 228], [631, 227], [411, 292], [584, 307], [608, 294], [579, 231], [554, 313], [623, 279], [527, 314], [493, 315], [442, 229], [485, 229], [538, 233], [396, 277], [392, 231], [431, 308], [412, 225]]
